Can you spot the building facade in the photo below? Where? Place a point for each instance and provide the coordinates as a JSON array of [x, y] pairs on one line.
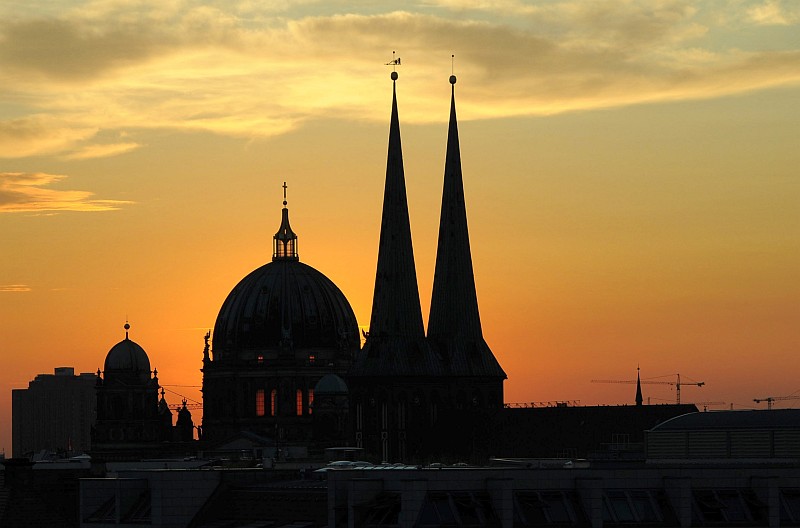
[[55, 413]]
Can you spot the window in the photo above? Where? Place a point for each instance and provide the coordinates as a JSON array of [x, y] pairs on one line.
[[260, 402], [457, 508], [310, 400], [260, 359], [727, 507], [637, 507], [299, 402], [548, 508], [790, 506], [273, 402]]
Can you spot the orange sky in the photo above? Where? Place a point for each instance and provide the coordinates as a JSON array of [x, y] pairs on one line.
[[630, 172]]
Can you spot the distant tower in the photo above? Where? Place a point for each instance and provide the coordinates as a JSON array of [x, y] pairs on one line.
[[127, 400], [390, 380], [184, 425], [454, 325], [639, 398]]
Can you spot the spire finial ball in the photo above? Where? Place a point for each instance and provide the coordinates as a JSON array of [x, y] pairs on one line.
[[127, 326], [452, 79], [394, 76]]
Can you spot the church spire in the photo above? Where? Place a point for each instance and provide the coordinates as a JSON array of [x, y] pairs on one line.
[[639, 398], [454, 324], [454, 303], [284, 243], [396, 308]]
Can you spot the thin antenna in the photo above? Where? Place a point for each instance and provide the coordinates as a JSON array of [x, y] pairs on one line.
[[452, 64]]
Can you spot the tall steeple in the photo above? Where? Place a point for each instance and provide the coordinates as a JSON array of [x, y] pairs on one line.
[[396, 308], [395, 344], [454, 325]]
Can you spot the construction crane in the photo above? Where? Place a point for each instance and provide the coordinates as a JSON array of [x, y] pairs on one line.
[[770, 399], [177, 407], [677, 384]]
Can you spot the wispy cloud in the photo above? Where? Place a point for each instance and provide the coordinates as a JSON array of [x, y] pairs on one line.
[[28, 192], [251, 70], [101, 150], [4, 288], [775, 13]]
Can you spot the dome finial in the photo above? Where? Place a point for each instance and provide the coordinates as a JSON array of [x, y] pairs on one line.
[[284, 243], [452, 69], [126, 327], [394, 63]]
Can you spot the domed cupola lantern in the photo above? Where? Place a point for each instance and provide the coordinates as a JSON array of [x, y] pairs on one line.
[[284, 246]]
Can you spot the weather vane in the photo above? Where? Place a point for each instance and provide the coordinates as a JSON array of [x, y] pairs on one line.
[[395, 62]]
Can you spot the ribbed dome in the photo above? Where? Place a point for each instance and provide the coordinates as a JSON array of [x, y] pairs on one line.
[[285, 303], [127, 355]]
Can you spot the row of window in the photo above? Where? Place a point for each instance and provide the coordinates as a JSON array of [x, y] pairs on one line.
[[300, 409], [729, 507]]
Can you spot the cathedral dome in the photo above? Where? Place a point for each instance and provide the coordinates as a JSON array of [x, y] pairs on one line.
[[127, 355], [285, 304]]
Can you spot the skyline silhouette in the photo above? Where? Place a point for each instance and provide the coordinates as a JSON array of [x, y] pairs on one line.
[[617, 216]]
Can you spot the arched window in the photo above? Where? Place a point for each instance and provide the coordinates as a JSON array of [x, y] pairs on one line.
[[273, 402], [299, 402], [260, 402]]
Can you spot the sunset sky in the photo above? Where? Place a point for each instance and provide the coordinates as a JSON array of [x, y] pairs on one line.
[[631, 171]]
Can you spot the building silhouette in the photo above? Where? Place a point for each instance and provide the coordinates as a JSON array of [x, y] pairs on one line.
[[414, 396], [132, 421], [404, 395], [55, 413], [282, 330]]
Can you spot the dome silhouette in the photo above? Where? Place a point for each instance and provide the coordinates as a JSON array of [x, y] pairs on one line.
[[127, 355], [284, 303]]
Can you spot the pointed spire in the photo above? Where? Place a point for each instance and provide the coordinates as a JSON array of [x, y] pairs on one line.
[[284, 246], [396, 308], [454, 304], [454, 324], [639, 398]]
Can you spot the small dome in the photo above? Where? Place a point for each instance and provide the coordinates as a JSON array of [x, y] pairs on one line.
[[127, 355], [330, 384]]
